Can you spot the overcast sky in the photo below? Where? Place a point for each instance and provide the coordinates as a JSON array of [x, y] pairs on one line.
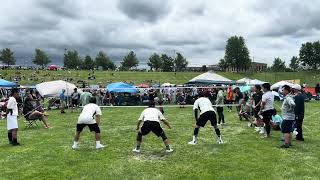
[[197, 28]]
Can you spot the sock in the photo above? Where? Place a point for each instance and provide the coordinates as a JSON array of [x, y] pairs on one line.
[[168, 147], [217, 132], [75, 143], [97, 142], [196, 131], [10, 136]]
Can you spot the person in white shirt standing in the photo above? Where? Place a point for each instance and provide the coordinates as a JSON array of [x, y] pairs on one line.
[[91, 117], [12, 117], [150, 119], [267, 108], [204, 105]]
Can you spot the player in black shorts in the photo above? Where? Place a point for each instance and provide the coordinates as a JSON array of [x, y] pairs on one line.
[[151, 118]]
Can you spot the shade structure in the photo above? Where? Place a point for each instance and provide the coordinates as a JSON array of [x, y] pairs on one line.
[[121, 87], [54, 88], [280, 84], [143, 86], [210, 78], [167, 85], [53, 67], [7, 84], [249, 81], [244, 80], [256, 82]]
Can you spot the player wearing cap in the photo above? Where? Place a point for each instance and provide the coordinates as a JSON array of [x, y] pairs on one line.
[[150, 119], [299, 110], [203, 104]]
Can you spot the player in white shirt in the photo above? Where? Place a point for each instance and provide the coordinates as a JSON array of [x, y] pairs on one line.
[[267, 108], [12, 117], [90, 116], [150, 118], [204, 105]]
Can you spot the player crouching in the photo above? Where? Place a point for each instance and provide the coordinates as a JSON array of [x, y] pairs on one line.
[[90, 116], [207, 112], [151, 118]]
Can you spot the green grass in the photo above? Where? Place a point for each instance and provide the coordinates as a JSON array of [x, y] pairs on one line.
[[102, 77], [47, 154]]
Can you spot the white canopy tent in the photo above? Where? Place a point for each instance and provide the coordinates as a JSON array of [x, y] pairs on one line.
[[167, 85], [280, 84], [210, 78], [249, 81], [54, 88]]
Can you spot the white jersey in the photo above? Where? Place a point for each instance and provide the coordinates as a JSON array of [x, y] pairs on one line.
[[13, 105], [88, 114], [268, 98], [203, 104], [151, 114]]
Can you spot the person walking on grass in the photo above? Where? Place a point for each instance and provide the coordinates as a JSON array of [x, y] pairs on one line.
[[220, 103], [75, 97], [257, 97], [12, 117], [62, 97], [266, 109], [91, 117], [150, 119], [229, 97], [288, 115], [299, 110], [203, 104]]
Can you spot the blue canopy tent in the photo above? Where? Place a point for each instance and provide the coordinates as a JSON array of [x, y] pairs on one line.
[[121, 87], [7, 84]]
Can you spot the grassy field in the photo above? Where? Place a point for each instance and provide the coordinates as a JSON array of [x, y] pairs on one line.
[[102, 77], [47, 154]]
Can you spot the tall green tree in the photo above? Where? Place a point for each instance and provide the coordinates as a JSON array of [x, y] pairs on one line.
[[237, 54], [7, 57], [88, 63], [41, 58], [310, 55], [180, 62], [72, 60], [278, 65], [129, 61], [294, 63], [103, 60], [223, 65], [155, 62], [168, 63]]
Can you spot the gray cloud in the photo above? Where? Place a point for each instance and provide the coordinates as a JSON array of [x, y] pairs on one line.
[[144, 10]]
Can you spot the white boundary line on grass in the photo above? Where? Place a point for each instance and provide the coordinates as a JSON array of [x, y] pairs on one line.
[[165, 106]]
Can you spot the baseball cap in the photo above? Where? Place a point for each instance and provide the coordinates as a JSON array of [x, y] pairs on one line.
[[296, 86]]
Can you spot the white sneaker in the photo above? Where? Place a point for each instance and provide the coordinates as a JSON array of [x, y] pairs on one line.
[[99, 146], [295, 133], [220, 141], [249, 124], [192, 142], [262, 131], [136, 150], [74, 146], [169, 150], [257, 129]]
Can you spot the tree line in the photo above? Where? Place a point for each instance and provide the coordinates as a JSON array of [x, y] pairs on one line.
[[72, 60]]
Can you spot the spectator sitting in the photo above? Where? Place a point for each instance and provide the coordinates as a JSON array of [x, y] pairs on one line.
[[245, 110], [276, 121], [31, 114]]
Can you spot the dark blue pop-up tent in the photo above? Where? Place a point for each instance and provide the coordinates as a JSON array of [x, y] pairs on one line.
[[7, 84], [121, 87]]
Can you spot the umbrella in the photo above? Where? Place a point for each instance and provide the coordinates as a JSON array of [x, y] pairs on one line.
[[121, 87], [54, 88], [8, 84], [167, 85], [280, 84]]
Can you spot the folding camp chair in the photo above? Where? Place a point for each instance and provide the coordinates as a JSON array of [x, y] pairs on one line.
[[31, 123]]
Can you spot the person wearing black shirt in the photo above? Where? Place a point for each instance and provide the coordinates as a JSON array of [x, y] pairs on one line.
[[257, 96], [238, 97], [299, 110]]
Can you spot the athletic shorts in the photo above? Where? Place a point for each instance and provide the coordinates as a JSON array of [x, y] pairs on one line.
[[74, 102], [93, 127], [267, 115], [209, 115], [287, 126], [151, 126], [12, 122]]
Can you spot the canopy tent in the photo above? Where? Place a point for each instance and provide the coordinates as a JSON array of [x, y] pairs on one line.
[[7, 84], [249, 81], [121, 87], [53, 67], [167, 85], [210, 78], [54, 88], [143, 86], [280, 84]]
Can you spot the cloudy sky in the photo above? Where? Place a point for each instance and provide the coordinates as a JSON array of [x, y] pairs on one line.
[[198, 29]]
